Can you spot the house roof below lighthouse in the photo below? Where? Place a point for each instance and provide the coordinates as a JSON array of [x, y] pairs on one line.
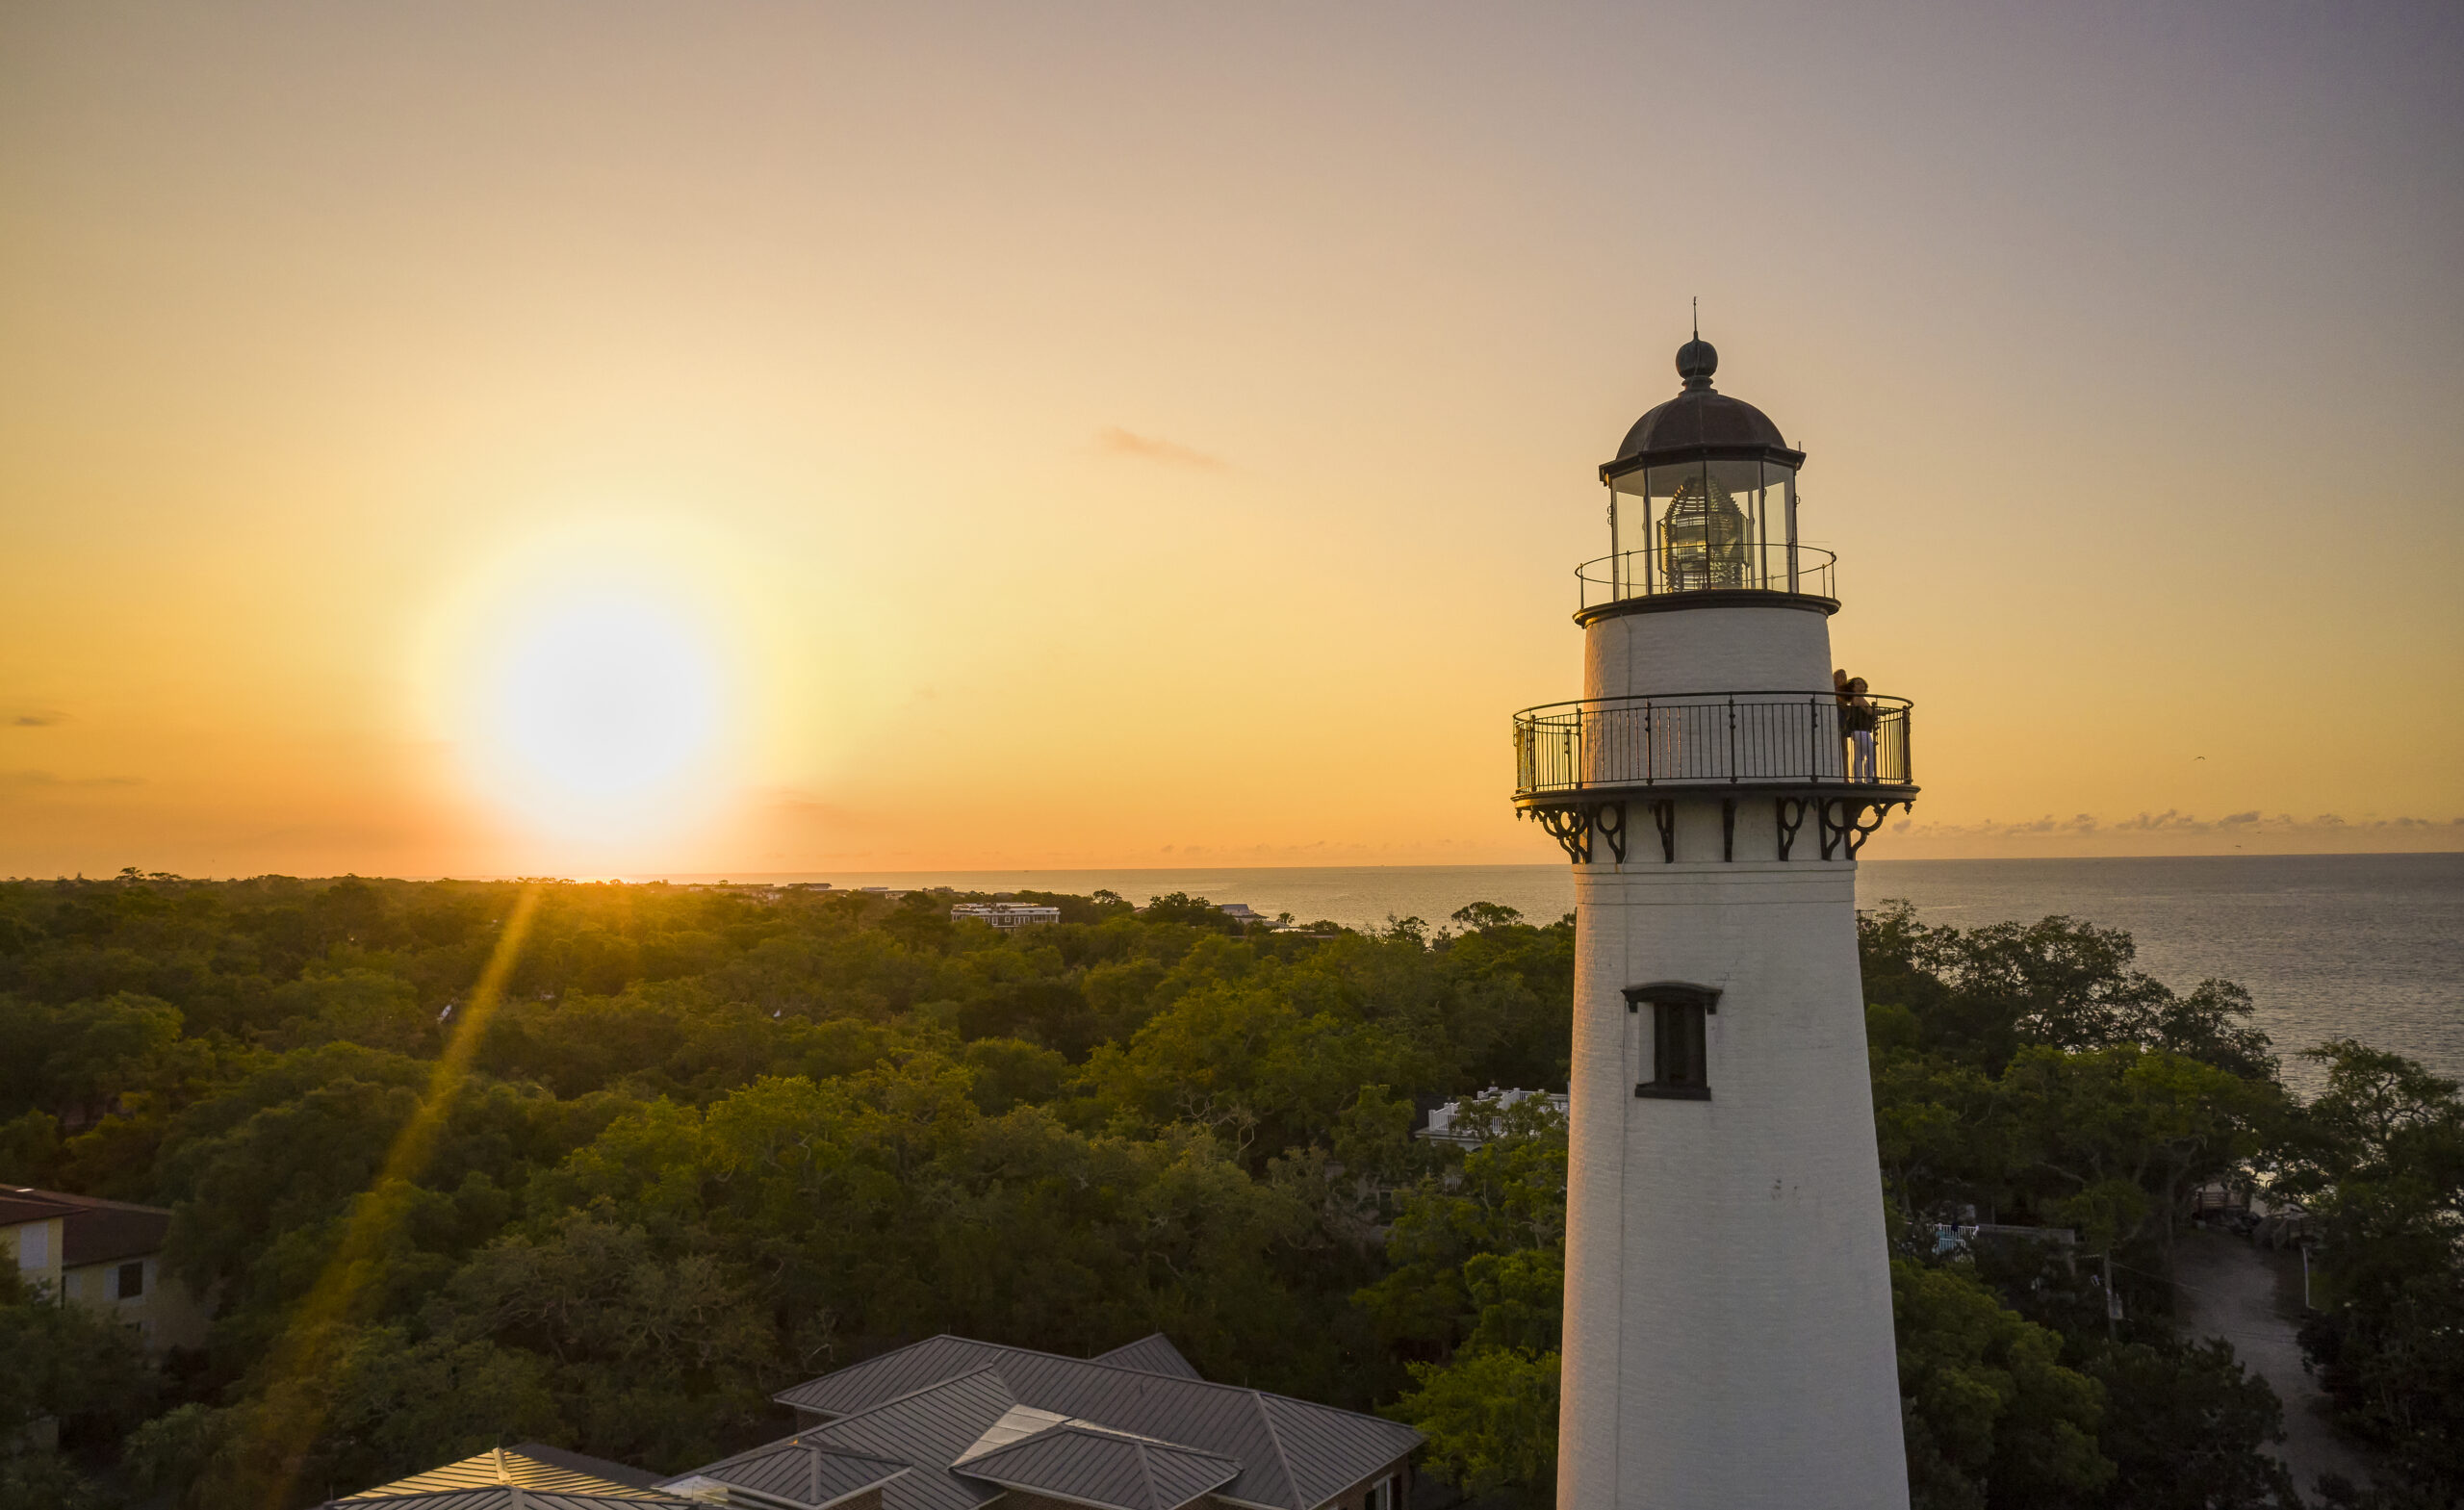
[[1699, 421]]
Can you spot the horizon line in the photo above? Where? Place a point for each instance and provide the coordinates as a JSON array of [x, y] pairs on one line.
[[761, 877]]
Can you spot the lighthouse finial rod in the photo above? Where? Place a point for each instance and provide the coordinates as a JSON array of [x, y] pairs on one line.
[[1696, 359]]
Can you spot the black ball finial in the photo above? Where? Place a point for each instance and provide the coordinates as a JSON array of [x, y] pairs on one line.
[[1696, 361]]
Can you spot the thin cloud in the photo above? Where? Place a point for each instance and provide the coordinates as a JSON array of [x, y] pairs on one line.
[[1118, 441], [2170, 818], [2169, 821], [46, 779], [38, 720]]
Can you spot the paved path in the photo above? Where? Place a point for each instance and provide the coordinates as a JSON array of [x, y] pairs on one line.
[[2251, 1297]]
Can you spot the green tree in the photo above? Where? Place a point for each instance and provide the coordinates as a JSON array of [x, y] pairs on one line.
[[75, 1059], [1992, 1418], [1491, 1420], [2186, 1426], [655, 1350], [357, 1006], [73, 1384], [1478, 1281], [2379, 1154]]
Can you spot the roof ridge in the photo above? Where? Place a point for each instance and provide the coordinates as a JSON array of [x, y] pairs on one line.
[[1291, 1480], [1096, 1428], [796, 1440], [903, 1468], [1146, 1471], [1090, 1363], [74, 1201], [1158, 1335], [37, 1198], [874, 1410]]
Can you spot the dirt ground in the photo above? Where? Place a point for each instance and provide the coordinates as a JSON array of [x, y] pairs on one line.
[[2251, 1297]]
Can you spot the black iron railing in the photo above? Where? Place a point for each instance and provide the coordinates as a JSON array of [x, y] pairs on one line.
[[1655, 573], [1707, 739]]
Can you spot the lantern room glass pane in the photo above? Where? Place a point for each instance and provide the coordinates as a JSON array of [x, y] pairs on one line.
[[1702, 537], [1684, 526]]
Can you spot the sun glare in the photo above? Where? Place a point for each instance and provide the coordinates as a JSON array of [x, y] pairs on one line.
[[593, 696], [603, 702]]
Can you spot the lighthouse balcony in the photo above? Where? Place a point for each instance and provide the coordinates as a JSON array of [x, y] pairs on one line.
[[1620, 772], [1713, 742], [1670, 576]]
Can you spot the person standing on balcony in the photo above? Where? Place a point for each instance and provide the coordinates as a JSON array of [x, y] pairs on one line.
[[1860, 718]]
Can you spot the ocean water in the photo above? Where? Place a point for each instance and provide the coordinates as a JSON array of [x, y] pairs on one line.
[[2364, 946], [2329, 946]]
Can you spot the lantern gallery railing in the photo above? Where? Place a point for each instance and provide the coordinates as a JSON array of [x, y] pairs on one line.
[[1697, 566], [1707, 739]]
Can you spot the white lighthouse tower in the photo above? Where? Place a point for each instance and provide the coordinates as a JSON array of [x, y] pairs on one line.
[[1728, 1337]]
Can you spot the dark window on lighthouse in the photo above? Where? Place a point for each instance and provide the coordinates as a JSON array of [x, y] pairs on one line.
[[1672, 1014]]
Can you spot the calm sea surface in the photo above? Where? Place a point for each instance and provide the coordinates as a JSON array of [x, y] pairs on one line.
[[2366, 946]]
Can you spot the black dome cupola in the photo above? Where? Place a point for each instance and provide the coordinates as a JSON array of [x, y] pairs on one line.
[[1702, 420], [1702, 495]]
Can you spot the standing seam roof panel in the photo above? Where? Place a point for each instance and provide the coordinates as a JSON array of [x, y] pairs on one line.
[[1153, 1353], [500, 1497], [1082, 1463], [1331, 1451], [805, 1471], [1304, 1456]]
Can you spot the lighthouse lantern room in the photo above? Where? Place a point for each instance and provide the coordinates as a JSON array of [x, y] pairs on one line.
[[1728, 1329]]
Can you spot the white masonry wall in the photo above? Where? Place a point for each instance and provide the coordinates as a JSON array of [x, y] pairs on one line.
[[1708, 650], [1728, 1298]]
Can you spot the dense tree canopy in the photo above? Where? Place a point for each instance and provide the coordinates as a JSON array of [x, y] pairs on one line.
[[716, 1140], [2380, 1156], [709, 1141]]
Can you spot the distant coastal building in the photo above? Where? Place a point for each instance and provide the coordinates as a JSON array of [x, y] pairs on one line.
[[103, 1255], [1007, 916], [954, 1425], [1243, 912], [1445, 1121]]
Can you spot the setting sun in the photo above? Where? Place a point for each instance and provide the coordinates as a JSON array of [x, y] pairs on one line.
[[596, 707], [592, 687]]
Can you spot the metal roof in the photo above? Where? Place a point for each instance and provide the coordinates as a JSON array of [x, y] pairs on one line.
[[1103, 1468], [928, 1429], [606, 1468], [1019, 1420], [514, 1496], [925, 1431], [508, 1496], [803, 1472], [1292, 1455], [1153, 1353], [510, 1476], [1700, 417]]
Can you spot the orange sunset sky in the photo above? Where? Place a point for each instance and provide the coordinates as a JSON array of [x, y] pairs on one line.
[[1120, 435]]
